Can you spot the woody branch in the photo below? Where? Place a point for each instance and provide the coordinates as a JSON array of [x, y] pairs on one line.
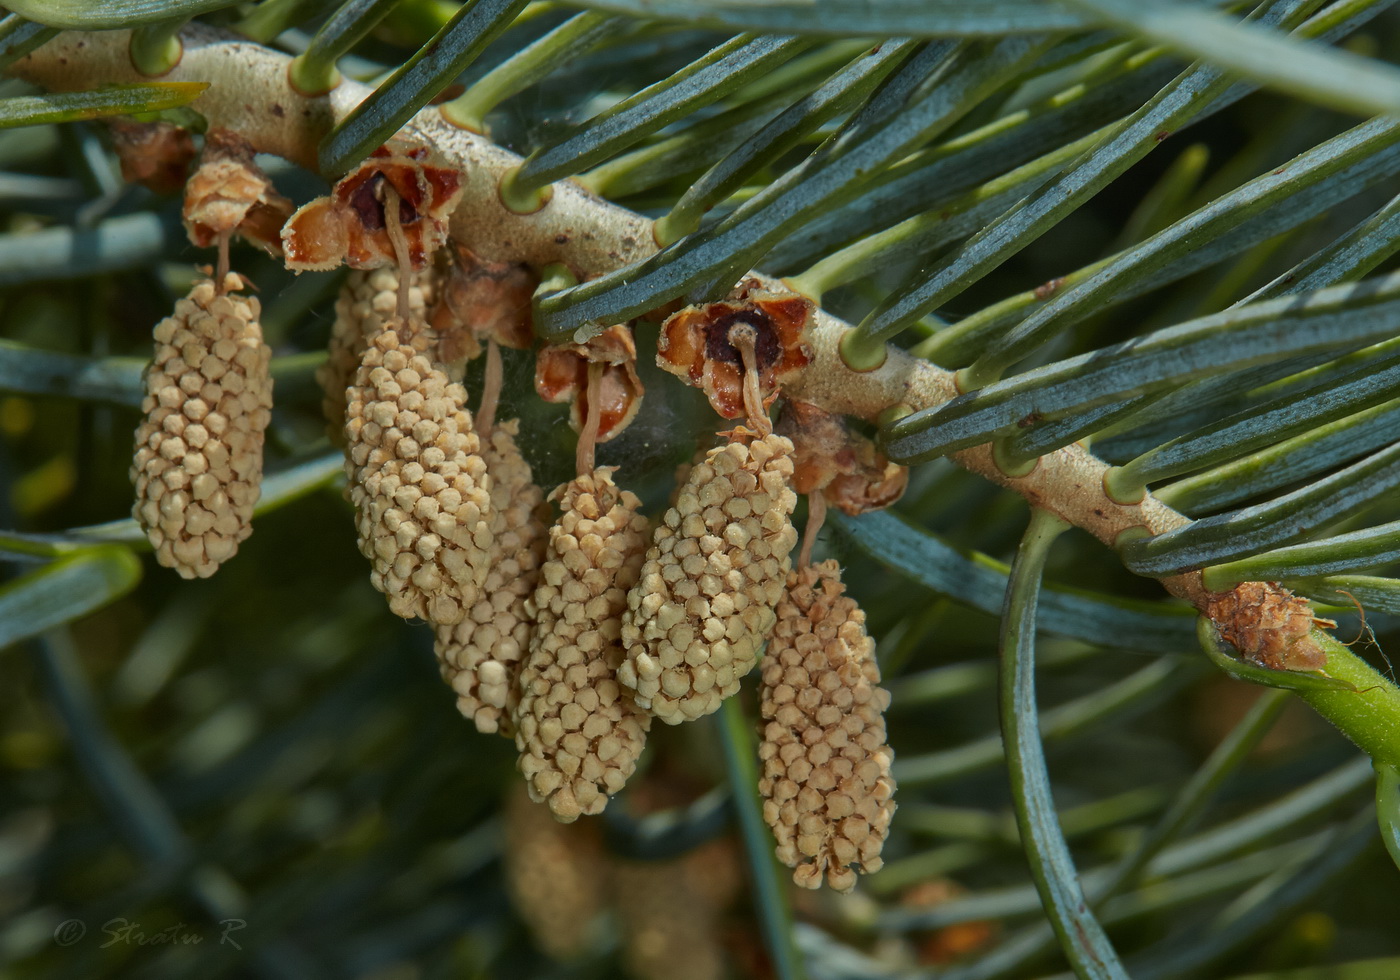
[[249, 93]]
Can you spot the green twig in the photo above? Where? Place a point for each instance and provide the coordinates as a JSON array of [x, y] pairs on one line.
[[1388, 808], [1369, 715]]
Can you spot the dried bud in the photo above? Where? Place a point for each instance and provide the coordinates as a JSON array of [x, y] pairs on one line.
[[198, 461], [156, 154], [557, 876], [481, 655], [228, 194], [480, 299], [826, 783], [1268, 625], [704, 603], [349, 226], [578, 732], [843, 465], [695, 345], [561, 374], [366, 304], [417, 479]]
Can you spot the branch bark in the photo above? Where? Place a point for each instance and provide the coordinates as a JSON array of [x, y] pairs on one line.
[[249, 93]]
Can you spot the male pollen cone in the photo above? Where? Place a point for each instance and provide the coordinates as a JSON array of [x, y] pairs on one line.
[[197, 467], [578, 731], [704, 603], [481, 655], [826, 783], [417, 479], [368, 300]]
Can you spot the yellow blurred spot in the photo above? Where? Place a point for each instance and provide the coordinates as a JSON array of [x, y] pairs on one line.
[[1316, 928], [27, 749], [16, 416], [43, 487]]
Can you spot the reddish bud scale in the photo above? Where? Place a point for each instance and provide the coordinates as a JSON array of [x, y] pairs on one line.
[[561, 375], [695, 345], [156, 154], [350, 225], [826, 783]]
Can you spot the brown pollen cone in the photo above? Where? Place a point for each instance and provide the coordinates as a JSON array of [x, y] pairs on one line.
[[480, 299], [197, 468], [1268, 625], [156, 154], [695, 345], [367, 302], [481, 655], [350, 224], [578, 731], [557, 876], [844, 466], [416, 478], [704, 603], [826, 783], [670, 912], [561, 374], [228, 194]]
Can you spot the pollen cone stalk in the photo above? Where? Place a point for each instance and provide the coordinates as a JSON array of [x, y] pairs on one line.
[[578, 731], [826, 783], [197, 467], [704, 603], [417, 479]]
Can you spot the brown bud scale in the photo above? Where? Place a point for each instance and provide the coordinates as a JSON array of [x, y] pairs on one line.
[[844, 466], [1269, 625], [704, 603], [578, 731], [197, 467], [228, 193], [826, 783]]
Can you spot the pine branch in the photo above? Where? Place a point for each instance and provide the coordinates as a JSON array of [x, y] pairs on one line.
[[249, 92]]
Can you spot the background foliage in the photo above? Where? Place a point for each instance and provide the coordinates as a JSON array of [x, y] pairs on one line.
[[1037, 182]]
